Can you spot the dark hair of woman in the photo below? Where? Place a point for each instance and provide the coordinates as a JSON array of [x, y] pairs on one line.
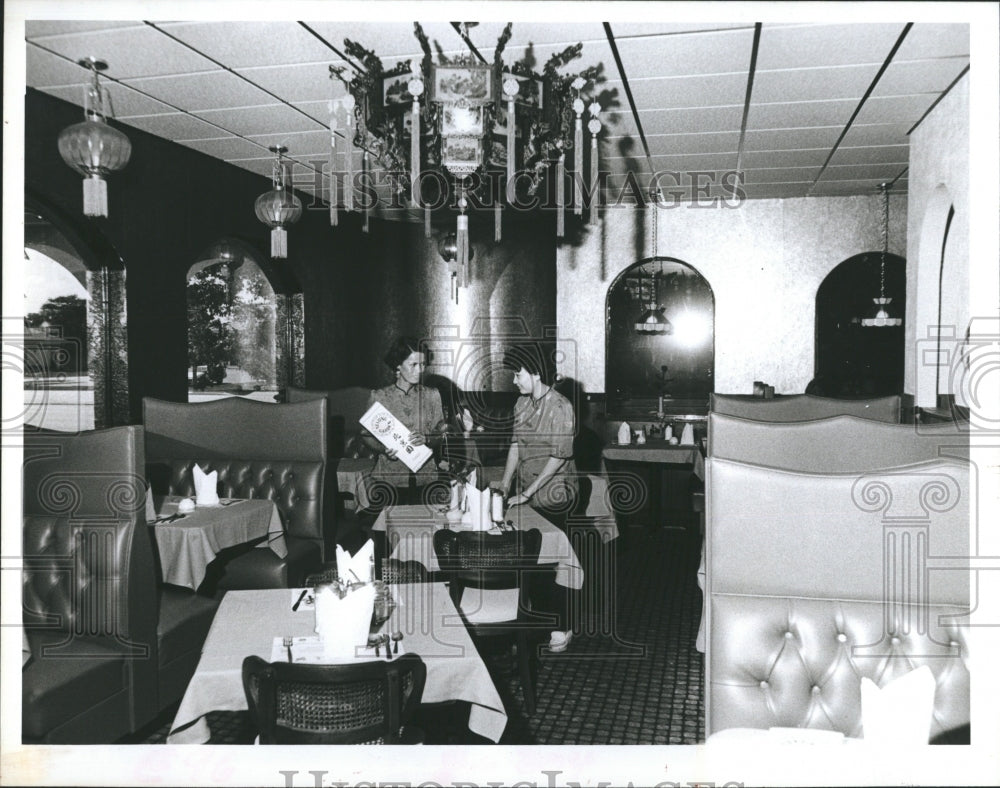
[[534, 357], [401, 349]]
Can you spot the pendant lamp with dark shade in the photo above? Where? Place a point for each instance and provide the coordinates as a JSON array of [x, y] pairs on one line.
[[93, 148]]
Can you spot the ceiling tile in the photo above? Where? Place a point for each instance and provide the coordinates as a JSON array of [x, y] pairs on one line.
[[296, 83], [872, 155], [813, 84], [684, 92], [676, 121], [860, 135], [791, 139], [801, 114], [125, 101], [803, 46], [389, 39], [895, 109], [693, 161], [719, 52], [919, 76], [131, 52], [302, 144], [174, 126], [622, 30], [781, 175], [843, 172], [227, 148], [831, 188], [45, 69], [927, 40], [705, 142], [206, 90], [785, 158], [37, 28], [318, 110], [248, 121], [245, 44], [775, 191]]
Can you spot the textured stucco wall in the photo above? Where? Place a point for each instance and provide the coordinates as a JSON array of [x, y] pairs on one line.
[[764, 259], [938, 179]]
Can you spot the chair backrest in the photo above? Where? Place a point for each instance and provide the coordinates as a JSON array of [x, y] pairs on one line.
[[837, 444], [359, 703], [804, 407], [812, 584], [261, 450], [89, 568], [488, 560]]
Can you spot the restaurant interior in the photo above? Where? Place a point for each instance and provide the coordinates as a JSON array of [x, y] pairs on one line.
[[744, 250]]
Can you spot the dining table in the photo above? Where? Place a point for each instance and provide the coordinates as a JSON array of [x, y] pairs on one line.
[[409, 533], [257, 622], [189, 541]]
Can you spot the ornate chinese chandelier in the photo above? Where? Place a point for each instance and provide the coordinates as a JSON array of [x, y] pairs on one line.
[[92, 147], [485, 134], [278, 207]]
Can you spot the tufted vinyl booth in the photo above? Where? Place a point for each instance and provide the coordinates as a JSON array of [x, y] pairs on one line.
[[804, 407], [797, 570], [109, 647], [87, 588], [260, 450]]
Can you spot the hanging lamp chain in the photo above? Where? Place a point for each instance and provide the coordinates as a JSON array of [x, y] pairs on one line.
[[885, 236]]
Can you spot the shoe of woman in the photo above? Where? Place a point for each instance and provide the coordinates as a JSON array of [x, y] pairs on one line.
[[559, 641]]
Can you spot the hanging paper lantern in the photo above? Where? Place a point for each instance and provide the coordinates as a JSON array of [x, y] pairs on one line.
[[93, 148], [278, 207]]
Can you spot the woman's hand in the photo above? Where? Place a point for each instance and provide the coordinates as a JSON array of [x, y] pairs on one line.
[[391, 453], [518, 499], [418, 438]]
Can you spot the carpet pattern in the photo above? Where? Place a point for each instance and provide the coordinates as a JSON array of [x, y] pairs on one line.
[[632, 676]]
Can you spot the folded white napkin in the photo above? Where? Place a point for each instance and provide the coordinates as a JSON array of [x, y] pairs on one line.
[[624, 434], [343, 624], [150, 508], [453, 503], [899, 714], [356, 568], [687, 436], [476, 516], [206, 487]]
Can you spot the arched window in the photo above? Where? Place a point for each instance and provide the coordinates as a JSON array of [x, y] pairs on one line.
[[75, 345], [244, 338], [647, 358], [852, 359]]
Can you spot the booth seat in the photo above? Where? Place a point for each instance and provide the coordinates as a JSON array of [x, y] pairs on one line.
[[837, 444], [109, 647], [344, 407], [798, 567], [805, 407], [260, 450]]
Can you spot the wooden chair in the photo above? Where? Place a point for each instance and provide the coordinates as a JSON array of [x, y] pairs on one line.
[[473, 560], [360, 703]]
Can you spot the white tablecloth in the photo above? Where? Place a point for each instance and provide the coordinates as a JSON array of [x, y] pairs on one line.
[[412, 529], [188, 545], [248, 621]]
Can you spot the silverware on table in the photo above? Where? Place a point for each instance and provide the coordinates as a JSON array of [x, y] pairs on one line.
[[299, 600], [396, 637], [287, 641]]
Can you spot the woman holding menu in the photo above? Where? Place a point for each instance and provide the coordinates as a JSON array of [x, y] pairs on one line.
[[419, 409]]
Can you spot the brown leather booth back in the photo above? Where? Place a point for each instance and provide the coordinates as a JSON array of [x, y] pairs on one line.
[[838, 444], [804, 407], [88, 564], [260, 450], [344, 407], [797, 570]]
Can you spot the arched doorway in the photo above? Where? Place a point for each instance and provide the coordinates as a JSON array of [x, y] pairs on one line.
[[675, 360], [76, 349], [853, 359], [245, 328]]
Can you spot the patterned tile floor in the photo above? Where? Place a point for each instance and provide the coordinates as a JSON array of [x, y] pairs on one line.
[[636, 678]]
